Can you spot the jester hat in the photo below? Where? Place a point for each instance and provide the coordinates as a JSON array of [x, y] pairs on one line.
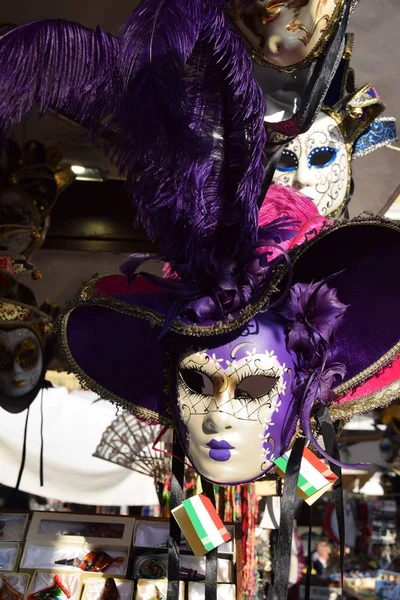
[[311, 319], [349, 125]]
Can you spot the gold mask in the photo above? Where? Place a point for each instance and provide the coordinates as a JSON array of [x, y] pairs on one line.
[[286, 34]]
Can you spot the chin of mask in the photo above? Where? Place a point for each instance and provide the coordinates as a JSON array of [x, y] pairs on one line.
[[317, 164], [282, 91], [21, 362], [235, 411], [288, 34]]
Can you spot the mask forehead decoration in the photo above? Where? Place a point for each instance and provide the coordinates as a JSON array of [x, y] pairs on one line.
[[286, 34], [235, 405]]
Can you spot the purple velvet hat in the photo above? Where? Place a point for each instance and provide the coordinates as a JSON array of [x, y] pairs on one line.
[[337, 330]]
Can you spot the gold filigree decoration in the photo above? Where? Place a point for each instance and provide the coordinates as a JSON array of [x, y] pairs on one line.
[[272, 9], [326, 33], [296, 25], [13, 312], [89, 295]]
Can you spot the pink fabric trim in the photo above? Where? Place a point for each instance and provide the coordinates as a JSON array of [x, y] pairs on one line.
[[283, 201], [380, 380]]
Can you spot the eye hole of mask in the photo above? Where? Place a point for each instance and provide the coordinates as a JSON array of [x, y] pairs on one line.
[[27, 354], [288, 161], [322, 157], [255, 386], [197, 382], [6, 360]]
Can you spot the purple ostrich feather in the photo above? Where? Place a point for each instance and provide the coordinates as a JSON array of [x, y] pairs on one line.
[[314, 313], [182, 115], [57, 65]]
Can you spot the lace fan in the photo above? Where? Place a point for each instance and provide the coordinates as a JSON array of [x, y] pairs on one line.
[[129, 442]]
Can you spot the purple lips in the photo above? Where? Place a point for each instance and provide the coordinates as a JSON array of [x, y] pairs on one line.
[[219, 450]]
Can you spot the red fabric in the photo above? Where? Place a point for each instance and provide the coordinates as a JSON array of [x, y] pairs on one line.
[[6, 264], [330, 507], [117, 285], [380, 380], [309, 230]]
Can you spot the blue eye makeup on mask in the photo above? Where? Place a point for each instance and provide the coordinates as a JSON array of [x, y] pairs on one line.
[[288, 162], [321, 157]]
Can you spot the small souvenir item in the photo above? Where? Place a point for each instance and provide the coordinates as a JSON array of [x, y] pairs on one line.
[[102, 530], [57, 591], [151, 568], [125, 442], [201, 524], [156, 567], [30, 182], [8, 592], [110, 590], [95, 561], [155, 590], [315, 478], [157, 594], [25, 332]]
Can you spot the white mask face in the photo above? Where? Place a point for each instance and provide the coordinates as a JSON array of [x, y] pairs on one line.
[[21, 362], [317, 164], [233, 431], [285, 33]]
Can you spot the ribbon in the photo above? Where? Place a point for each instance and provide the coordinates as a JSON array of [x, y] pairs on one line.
[[174, 539], [309, 560], [41, 476], [284, 546], [212, 556], [23, 458], [332, 448]]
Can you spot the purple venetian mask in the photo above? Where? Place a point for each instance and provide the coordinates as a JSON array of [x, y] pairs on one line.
[[235, 411]]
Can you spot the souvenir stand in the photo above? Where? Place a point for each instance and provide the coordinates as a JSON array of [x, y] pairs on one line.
[[271, 327], [99, 556]]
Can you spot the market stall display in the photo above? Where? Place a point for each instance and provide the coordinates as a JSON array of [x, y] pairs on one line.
[[271, 326], [39, 573]]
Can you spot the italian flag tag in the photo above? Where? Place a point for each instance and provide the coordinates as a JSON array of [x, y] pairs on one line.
[[315, 478], [201, 525]]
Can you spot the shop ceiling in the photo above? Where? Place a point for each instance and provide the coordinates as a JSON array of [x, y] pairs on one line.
[[376, 59]]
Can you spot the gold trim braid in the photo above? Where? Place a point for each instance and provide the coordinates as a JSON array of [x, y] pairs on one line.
[[378, 399], [88, 297], [362, 377]]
